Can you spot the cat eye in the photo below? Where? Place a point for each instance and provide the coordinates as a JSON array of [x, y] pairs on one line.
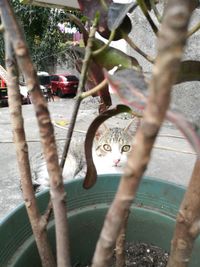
[[126, 148], [106, 147]]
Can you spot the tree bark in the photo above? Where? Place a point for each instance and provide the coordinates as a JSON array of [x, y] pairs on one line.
[[120, 244], [187, 223], [58, 195], [171, 41], [21, 146]]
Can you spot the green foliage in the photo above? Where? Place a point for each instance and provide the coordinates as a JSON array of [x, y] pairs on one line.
[[45, 41]]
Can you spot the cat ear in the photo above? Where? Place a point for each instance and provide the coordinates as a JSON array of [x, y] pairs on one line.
[[103, 128], [136, 121]]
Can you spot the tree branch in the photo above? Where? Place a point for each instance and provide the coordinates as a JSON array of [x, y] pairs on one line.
[[143, 7], [46, 132], [155, 10], [88, 54], [194, 29], [137, 49], [94, 90], [171, 42], [14, 99], [187, 223], [120, 244]]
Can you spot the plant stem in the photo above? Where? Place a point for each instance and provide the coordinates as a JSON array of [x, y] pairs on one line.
[[98, 51], [155, 10], [143, 7], [17, 122], [94, 90], [137, 49], [194, 29], [120, 244], [88, 54], [171, 43], [104, 4], [187, 223], [57, 190]]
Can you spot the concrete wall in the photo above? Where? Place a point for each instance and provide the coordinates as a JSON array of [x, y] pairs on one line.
[[186, 96]]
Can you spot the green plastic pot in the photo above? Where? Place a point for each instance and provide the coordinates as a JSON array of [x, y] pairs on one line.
[[152, 220]]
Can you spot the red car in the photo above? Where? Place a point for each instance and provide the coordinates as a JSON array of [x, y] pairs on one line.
[[64, 84]]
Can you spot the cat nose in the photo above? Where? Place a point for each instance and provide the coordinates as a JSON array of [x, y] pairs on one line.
[[116, 161]]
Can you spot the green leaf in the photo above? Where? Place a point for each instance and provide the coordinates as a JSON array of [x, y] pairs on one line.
[[131, 87], [117, 12], [112, 57]]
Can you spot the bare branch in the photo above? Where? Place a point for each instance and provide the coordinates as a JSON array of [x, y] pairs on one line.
[[88, 53], [187, 223], [46, 132], [155, 10], [143, 7], [194, 29], [120, 244], [137, 49], [40, 233], [101, 49], [94, 90], [171, 42]]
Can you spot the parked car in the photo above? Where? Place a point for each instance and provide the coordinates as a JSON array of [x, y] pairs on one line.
[[64, 84], [4, 95], [3, 89]]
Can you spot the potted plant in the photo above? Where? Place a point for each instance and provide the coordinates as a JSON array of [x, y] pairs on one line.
[[129, 82], [151, 220]]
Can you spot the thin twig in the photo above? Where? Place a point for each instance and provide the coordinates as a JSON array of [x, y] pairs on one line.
[[46, 216], [193, 30], [88, 53], [101, 49], [143, 7], [104, 4], [2, 29], [94, 90], [155, 10], [137, 49]]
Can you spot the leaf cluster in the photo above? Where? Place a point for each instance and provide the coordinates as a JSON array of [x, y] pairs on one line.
[[45, 41]]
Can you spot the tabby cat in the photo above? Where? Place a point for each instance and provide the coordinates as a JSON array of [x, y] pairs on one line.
[[110, 149]]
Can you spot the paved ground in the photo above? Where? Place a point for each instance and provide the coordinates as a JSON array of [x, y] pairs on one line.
[[172, 157]]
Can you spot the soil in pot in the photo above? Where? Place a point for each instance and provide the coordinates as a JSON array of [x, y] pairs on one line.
[[143, 255]]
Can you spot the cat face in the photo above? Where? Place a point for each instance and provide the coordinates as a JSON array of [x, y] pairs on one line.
[[112, 146]]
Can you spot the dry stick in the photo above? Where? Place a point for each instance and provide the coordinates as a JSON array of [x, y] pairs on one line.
[[155, 10], [144, 10], [137, 49], [170, 48], [14, 99], [120, 244], [57, 191], [88, 53], [194, 29], [187, 223], [94, 90], [101, 49]]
